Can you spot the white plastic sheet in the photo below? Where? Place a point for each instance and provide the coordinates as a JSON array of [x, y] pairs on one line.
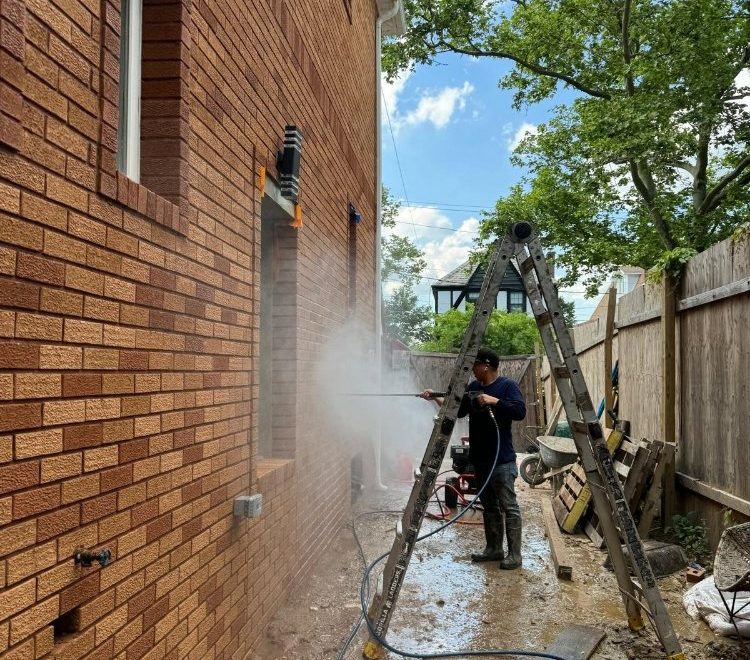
[[703, 600]]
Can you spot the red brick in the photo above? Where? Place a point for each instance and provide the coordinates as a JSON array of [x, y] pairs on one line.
[[133, 450], [116, 477], [79, 385], [82, 435], [18, 356], [58, 522], [141, 601], [141, 646], [155, 613], [20, 416], [98, 508], [18, 476], [145, 512], [19, 294], [32, 502], [40, 269], [82, 591], [159, 528]]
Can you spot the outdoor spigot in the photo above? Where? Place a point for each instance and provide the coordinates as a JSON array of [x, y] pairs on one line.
[[85, 558]]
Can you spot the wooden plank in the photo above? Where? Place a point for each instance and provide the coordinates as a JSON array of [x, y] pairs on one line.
[[576, 642], [629, 447], [622, 469], [713, 493], [654, 492], [668, 372], [558, 550], [593, 531], [541, 412], [720, 293], [560, 509], [555, 416], [638, 319], [609, 333]]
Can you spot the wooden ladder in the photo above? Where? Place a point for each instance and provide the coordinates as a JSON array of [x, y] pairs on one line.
[[639, 595]]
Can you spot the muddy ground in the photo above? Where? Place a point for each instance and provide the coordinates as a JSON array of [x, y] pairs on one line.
[[450, 604]]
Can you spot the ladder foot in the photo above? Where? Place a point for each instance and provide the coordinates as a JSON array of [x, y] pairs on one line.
[[372, 650], [635, 623]]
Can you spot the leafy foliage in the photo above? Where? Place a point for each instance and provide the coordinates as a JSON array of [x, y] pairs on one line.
[[507, 334], [651, 154], [404, 262], [690, 534]]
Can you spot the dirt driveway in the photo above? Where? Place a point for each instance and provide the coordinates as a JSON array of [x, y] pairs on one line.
[[449, 604]]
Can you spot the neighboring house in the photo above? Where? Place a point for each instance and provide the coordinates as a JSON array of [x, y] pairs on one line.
[[161, 311], [624, 281], [464, 283]]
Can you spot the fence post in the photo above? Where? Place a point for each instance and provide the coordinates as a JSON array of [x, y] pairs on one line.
[[668, 328], [540, 411], [609, 395]]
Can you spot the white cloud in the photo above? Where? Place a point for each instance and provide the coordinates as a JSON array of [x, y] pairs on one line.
[[439, 108], [436, 108], [521, 132], [444, 248]]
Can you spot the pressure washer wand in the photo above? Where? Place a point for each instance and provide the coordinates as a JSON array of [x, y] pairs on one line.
[[434, 394]]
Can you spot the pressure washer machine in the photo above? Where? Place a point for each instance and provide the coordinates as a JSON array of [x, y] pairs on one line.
[[464, 483]]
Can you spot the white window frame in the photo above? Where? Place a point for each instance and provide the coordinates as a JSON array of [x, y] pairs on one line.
[[129, 129]]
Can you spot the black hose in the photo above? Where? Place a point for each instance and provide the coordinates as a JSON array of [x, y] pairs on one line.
[[364, 589]]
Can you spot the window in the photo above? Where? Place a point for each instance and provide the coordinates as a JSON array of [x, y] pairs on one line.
[[472, 296], [143, 151], [129, 129], [516, 301], [502, 301], [443, 301]]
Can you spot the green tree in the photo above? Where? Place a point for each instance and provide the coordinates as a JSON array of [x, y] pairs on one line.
[[507, 334], [403, 262], [651, 156]]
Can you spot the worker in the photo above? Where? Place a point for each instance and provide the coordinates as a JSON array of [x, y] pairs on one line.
[[498, 497]]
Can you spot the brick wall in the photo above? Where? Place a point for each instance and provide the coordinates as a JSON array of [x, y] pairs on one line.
[[129, 328]]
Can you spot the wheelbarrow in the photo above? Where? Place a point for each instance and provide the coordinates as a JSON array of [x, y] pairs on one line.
[[555, 455]]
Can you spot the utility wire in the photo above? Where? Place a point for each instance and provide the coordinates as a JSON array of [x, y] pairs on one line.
[[398, 162]]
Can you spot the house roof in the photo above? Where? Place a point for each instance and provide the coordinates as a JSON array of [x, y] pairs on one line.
[[470, 274], [458, 277]]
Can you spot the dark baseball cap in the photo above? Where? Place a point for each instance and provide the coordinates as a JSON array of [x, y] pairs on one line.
[[488, 356]]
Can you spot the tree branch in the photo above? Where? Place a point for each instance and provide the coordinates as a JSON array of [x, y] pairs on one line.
[[629, 84], [645, 186], [719, 191], [700, 178], [536, 68]]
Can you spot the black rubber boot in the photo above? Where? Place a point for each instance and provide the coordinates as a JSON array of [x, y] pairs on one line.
[[493, 533], [513, 533]]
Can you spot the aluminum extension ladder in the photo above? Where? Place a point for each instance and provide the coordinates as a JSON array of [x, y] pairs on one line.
[[640, 594]]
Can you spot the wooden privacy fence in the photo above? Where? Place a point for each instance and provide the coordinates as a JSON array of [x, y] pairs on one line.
[[433, 370], [711, 393]]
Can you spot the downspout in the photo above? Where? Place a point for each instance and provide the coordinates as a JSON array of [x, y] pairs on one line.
[[382, 18]]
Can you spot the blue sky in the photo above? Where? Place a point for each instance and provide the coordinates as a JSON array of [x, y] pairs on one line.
[[454, 130]]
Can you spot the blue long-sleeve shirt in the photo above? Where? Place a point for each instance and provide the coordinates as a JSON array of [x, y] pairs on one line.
[[482, 433]]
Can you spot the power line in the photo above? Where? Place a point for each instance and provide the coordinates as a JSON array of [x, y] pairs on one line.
[[398, 162], [450, 204], [421, 224]]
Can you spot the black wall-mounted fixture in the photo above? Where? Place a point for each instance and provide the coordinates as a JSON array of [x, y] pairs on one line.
[[288, 163], [354, 215]]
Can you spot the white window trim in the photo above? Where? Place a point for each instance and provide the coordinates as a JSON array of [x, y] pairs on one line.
[[129, 130]]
